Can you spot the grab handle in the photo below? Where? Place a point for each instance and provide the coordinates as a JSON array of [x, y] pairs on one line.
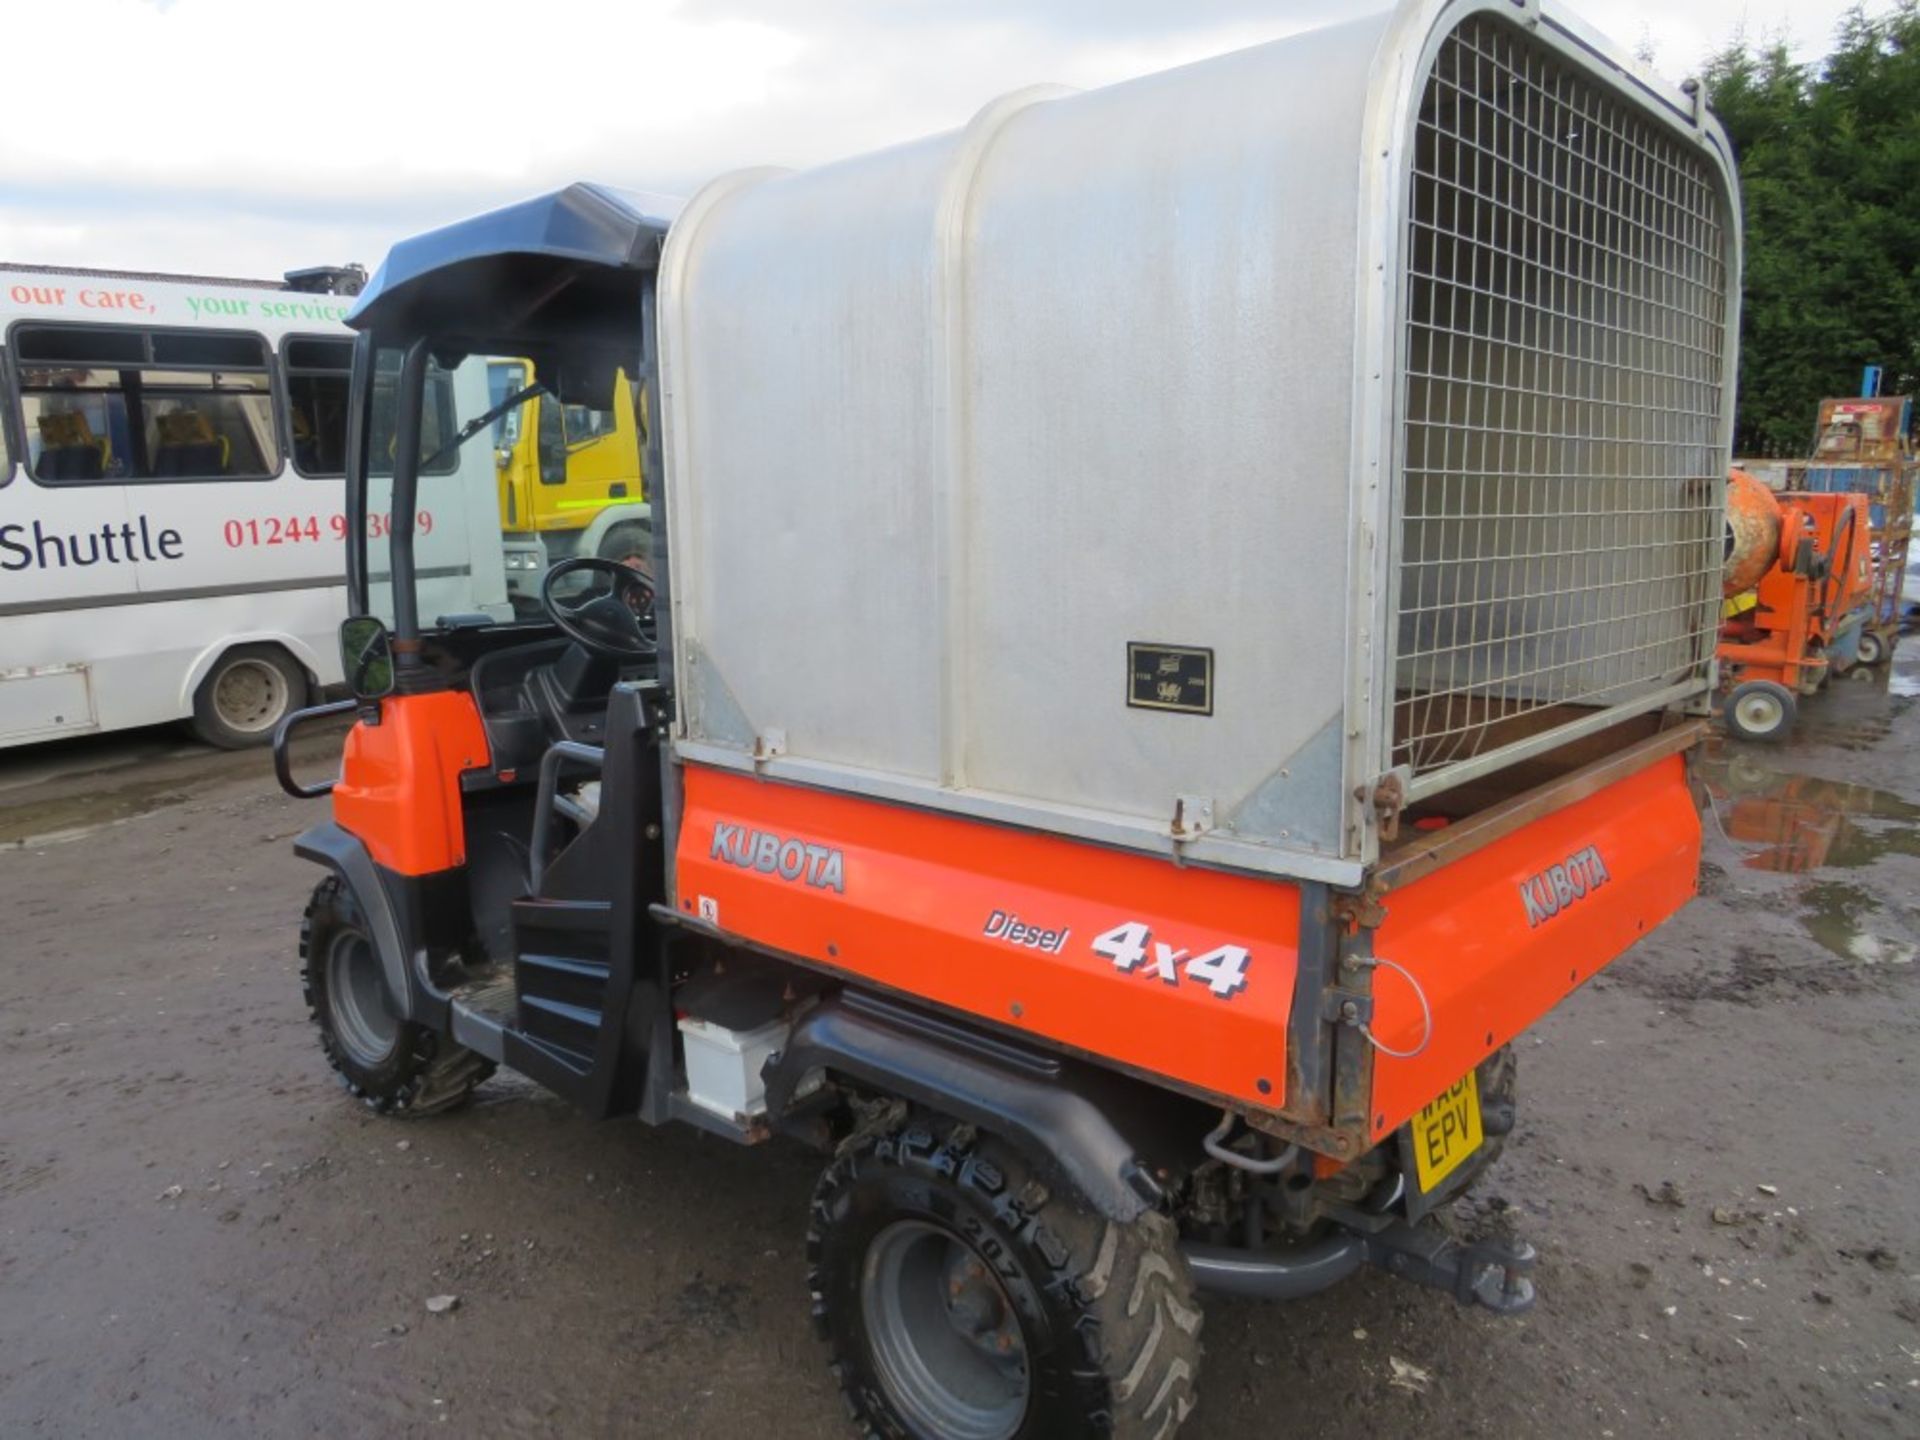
[[283, 760], [550, 800]]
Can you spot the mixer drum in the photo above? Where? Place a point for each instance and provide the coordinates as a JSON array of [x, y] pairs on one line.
[[1753, 533]]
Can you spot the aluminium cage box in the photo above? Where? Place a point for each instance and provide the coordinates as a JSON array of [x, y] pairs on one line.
[[1167, 464]]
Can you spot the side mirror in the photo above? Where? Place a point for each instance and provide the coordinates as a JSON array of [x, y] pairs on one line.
[[366, 656]]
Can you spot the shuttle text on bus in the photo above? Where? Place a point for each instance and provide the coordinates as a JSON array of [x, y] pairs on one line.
[[22, 548]]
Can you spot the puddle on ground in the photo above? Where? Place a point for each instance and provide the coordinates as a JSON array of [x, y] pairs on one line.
[[1837, 915], [69, 817], [1800, 822], [1856, 711], [1796, 824]]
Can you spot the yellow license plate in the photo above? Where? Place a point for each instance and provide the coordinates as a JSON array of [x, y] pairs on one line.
[[1446, 1132]]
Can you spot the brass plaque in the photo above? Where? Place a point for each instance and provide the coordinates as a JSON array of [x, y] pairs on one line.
[[1170, 677]]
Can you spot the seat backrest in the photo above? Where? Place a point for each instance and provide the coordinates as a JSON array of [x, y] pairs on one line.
[[306, 446], [188, 445], [69, 450]]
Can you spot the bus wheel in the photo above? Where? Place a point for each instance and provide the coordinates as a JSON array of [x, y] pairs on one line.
[[248, 692], [961, 1297]]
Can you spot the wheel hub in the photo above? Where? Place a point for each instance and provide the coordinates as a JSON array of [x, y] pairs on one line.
[[977, 1307], [945, 1337], [250, 695], [357, 1001], [1759, 712]]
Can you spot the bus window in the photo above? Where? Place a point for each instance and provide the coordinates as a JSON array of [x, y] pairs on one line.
[[6, 453], [132, 405], [437, 422], [317, 374]]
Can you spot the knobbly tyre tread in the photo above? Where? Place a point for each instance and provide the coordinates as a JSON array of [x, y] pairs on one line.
[[1499, 1075], [433, 1075], [448, 1082], [1122, 1290]]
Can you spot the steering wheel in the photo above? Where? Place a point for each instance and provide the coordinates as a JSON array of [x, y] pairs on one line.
[[614, 622]]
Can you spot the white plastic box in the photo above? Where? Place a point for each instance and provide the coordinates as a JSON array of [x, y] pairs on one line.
[[723, 1066]]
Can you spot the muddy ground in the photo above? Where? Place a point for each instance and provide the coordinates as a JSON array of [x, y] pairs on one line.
[[201, 1236]]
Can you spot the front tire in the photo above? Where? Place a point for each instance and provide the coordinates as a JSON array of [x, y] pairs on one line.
[[1872, 648], [627, 542], [392, 1065], [1760, 710], [245, 696], [963, 1301]]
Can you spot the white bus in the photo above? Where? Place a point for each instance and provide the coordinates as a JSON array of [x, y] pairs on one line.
[[171, 488]]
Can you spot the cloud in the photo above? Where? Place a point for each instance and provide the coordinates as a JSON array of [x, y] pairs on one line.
[[223, 96], [239, 136]]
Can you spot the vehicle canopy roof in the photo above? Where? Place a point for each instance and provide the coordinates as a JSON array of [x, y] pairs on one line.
[[554, 278]]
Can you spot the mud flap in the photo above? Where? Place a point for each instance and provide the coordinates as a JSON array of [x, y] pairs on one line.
[[329, 845], [1115, 1141]]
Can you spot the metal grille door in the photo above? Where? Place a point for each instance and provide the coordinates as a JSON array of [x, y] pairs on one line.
[[1566, 319]]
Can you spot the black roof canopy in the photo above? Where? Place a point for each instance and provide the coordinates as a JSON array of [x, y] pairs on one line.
[[559, 271]]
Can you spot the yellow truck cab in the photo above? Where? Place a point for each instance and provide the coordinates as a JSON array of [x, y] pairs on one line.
[[571, 481]]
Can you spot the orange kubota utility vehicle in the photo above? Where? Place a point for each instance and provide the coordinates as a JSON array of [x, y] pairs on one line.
[[1178, 623]]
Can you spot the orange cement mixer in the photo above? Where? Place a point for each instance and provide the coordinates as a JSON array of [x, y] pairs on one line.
[[1797, 576]]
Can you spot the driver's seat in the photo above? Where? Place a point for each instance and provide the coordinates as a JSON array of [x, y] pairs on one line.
[[518, 732]]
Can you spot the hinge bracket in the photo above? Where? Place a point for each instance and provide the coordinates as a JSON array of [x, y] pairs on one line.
[[1388, 796]]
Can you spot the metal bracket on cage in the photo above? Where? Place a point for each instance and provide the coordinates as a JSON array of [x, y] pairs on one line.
[[1388, 796], [1697, 99], [1192, 816]]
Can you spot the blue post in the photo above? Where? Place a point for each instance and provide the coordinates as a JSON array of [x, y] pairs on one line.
[[1870, 382]]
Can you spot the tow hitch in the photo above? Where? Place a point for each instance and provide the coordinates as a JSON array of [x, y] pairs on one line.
[[1492, 1273]]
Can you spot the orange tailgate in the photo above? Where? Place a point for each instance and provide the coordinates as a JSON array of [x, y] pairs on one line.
[[1500, 936], [1182, 973]]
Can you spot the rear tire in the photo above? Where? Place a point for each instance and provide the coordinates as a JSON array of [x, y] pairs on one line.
[[1872, 648], [1760, 710], [245, 696], [393, 1066], [960, 1299], [1497, 1078]]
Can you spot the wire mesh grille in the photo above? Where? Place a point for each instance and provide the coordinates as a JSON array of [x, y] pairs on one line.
[[1563, 473]]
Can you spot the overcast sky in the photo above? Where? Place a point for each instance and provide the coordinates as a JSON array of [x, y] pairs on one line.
[[248, 137]]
